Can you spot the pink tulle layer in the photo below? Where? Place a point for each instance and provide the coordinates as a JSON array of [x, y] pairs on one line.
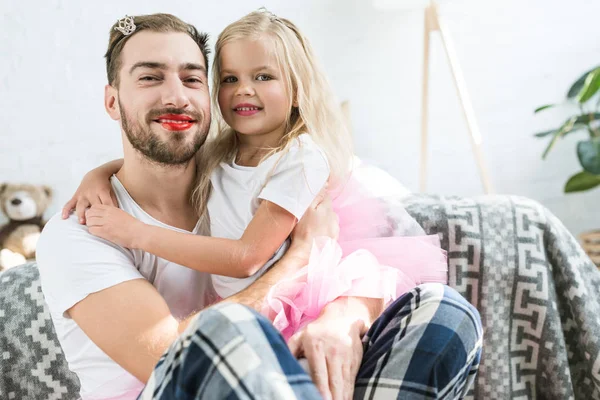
[[366, 261]]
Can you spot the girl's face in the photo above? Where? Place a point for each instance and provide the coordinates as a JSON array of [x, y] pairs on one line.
[[253, 95]]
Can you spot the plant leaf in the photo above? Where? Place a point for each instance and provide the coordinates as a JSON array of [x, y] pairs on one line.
[[588, 152], [566, 127], [590, 87], [587, 118], [545, 133], [582, 181], [576, 127], [541, 108], [576, 87]]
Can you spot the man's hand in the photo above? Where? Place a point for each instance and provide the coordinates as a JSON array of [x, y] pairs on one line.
[[318, 220], [332, 346]]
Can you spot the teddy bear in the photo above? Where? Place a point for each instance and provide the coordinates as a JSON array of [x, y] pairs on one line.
[[24, 205]]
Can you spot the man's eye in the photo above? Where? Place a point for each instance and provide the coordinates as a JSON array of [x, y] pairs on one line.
[[263, 77], [148, 78], [193, 80], [229, 79]]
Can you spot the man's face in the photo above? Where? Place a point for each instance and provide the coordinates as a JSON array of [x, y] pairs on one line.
[[162, 100]]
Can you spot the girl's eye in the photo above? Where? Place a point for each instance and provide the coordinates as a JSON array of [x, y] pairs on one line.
[[229, 79], [263, 77]]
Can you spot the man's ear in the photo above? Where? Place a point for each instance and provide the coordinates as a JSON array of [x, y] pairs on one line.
[[111, 102]]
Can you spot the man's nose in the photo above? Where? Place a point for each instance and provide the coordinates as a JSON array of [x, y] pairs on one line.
[[174, 94]]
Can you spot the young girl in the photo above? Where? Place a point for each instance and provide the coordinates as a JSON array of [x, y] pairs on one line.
[[280, 141]]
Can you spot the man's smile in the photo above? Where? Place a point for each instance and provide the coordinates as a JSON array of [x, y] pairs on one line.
[[175, 122]]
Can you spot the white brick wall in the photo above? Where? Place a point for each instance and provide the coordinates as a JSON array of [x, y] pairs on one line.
[[515, 55]]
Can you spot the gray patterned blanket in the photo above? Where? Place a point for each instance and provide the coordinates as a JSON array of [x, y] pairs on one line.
[[536, 290]]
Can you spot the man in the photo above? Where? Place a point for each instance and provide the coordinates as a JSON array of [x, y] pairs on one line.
[[116, 310]]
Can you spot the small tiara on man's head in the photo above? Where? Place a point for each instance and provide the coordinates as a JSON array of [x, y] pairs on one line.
[[126, 25]]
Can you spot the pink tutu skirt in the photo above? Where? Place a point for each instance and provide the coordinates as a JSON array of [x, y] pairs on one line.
[[367, 260]]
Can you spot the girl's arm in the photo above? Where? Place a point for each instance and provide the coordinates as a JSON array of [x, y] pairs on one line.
[[318, 220], [240, 258], [95, 188]]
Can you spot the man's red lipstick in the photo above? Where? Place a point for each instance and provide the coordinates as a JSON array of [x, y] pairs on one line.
[[175, 122]]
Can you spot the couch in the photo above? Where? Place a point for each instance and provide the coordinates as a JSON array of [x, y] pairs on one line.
[[537, 292]]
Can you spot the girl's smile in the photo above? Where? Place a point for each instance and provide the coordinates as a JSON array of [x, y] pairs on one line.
[[246, 109]]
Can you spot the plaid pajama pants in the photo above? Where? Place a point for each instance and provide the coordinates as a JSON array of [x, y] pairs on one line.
[[427, 344]]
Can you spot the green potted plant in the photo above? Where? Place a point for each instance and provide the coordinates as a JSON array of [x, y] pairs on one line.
[[585, 94]]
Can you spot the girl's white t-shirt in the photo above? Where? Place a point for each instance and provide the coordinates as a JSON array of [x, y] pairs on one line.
[[290, 179], [73, 264]]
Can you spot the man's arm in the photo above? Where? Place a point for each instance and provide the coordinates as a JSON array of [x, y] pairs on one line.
[[97, 285], [254, 295], [319, 220], [130, 322]]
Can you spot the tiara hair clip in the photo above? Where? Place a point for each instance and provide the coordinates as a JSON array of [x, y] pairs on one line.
[[125, 26]]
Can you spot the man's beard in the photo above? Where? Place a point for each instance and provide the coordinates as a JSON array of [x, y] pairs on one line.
[[173, 151]]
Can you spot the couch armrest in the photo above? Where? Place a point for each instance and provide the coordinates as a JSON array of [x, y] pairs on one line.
[[537, 291], [32, 364]]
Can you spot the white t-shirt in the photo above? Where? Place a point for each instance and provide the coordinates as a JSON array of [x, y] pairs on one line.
[[291, 179], [73, 264]]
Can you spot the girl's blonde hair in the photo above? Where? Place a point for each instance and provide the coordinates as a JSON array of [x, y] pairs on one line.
[[317, 113]]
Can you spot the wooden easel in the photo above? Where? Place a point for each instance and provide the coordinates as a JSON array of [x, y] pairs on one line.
[[433, 23]]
